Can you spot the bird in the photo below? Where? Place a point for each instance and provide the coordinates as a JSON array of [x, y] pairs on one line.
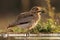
[[28, 20]]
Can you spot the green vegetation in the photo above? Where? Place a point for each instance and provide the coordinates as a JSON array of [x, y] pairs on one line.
[[49, 27], [15, 29]]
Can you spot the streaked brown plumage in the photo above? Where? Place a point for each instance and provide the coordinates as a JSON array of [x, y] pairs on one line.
[[28, 20]]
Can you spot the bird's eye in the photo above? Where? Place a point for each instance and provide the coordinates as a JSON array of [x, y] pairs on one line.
[[36, 9]]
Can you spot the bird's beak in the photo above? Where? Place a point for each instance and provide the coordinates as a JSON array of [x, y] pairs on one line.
[[39, 12], [42, 11]]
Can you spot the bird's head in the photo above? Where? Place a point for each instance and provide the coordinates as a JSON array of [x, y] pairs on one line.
[[36, 9]]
